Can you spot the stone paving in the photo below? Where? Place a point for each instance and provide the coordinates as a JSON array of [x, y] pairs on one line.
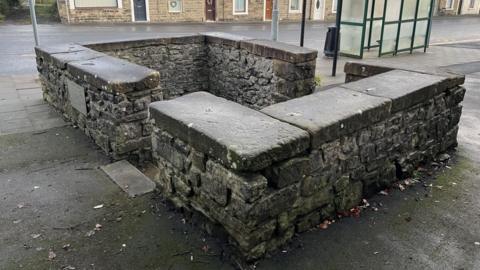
[[22, 108]]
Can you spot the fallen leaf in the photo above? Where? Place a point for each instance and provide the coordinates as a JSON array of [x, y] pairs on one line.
[[323, 225], [383, 192], [66, 247], [51, 255]]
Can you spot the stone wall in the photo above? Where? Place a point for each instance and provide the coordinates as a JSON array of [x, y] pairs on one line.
[[264, 175], [180, 60], [107, 97], [104, 96], [253, 72], [258, 73]]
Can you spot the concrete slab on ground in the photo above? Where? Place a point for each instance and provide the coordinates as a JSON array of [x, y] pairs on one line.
[[128, 178], [22, 108]]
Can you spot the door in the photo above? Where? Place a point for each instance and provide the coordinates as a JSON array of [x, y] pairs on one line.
[[140, 10], [318, 10], [210, 10], [268, 10]]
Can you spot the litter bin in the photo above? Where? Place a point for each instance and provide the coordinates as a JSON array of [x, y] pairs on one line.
[[330, 41]]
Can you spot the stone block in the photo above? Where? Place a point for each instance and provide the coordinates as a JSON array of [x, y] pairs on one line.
[[332, 113], [279, 50], [222, 38], [241, 138], [113, 74], [248, 186], [404, 88], [288, 172]]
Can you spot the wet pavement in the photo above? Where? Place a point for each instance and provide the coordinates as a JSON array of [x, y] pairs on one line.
[[50, 183], [16, 41]]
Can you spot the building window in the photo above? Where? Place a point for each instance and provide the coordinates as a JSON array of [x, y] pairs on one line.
[[240, 6], [449, 4], [175, 6], [472, 4], [295, 6], [334, 6], [95, 3]]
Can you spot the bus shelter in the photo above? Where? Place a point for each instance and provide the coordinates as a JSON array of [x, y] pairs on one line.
[[392, 26]]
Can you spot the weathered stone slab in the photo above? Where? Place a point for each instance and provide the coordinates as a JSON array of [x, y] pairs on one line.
[[241, 138], [61, 59], [129, 178], [136, 42], [45, 51], [279, 50], [326, 115], [361, 69], [114, 75], [224, 38], [404, 88]]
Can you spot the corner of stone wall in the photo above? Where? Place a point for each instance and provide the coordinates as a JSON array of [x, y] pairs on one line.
[[105, 97]]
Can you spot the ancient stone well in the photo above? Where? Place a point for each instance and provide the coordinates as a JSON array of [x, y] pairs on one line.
[[105, 88], [241, 139]]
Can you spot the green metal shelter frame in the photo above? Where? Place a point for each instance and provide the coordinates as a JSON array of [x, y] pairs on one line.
[[392, 26]]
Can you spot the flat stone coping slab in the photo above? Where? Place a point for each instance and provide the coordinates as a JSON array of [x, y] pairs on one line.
[[224, 38], [279, 50], [404, 88], [329, 114], [114, 74], [129, 178], [239, 137]]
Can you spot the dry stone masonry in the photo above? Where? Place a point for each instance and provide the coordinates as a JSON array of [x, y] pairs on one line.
[[238, 137], [264, 175], [105, 88]]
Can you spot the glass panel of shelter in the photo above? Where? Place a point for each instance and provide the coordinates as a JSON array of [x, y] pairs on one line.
[[391, 25], [410, 30]]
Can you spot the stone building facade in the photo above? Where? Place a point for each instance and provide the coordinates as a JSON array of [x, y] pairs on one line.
[[111, 11], [85, 11], [457, 7]]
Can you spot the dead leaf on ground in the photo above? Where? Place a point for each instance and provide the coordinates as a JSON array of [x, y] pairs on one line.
[[51, 255]]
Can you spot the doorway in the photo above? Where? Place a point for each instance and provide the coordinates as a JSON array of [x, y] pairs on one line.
[[139, 10], [319, 10], [268, 10], [210, 10]]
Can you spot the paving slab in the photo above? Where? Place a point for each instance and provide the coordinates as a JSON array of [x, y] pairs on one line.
[[240, 137], [22, 108], [129, 178], [328, 114]]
